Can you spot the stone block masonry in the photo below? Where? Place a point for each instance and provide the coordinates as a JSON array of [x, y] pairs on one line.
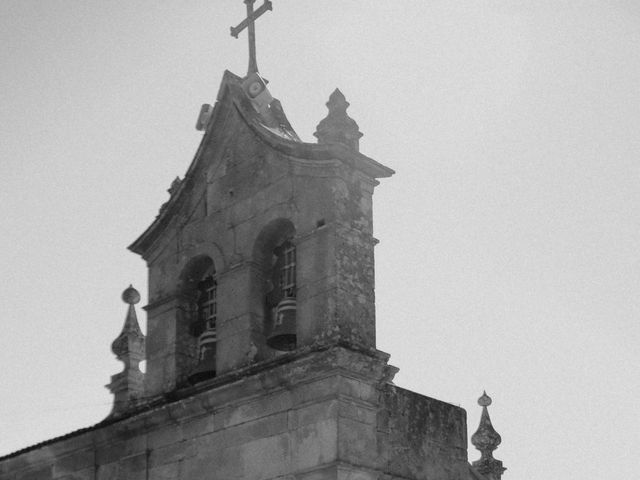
[[320, 414]]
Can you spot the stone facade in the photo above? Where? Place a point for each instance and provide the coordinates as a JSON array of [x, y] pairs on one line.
[[326, 414], [326, 407]]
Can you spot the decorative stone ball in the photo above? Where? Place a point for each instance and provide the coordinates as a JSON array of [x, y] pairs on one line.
[[130, 296], [484, 400]]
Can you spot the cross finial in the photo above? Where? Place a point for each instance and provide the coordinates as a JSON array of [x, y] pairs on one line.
[[250, 23]]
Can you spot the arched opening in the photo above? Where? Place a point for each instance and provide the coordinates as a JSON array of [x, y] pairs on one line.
[[276, 256], [199, 289]]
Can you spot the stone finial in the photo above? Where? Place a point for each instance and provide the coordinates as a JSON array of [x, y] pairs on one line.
[[174, 186], [338, 127], [129, 348], [486, 440]]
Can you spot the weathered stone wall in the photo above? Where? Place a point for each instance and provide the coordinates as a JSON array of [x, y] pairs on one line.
[[321, 415], [420, 437], [261, 426]]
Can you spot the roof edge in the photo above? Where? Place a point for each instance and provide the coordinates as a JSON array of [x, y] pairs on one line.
[[142, 244]]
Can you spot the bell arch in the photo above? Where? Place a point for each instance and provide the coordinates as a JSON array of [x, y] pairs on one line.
[[275, 259], [198, 310]]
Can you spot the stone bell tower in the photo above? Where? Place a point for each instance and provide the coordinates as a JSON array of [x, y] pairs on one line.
[[264, 247], [261, 302], [260, 347]]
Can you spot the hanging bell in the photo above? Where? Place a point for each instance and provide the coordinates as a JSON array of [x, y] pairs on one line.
[[283, 331], [206, 367]]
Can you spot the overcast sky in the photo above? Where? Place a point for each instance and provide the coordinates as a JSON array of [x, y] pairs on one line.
[[509, 237]]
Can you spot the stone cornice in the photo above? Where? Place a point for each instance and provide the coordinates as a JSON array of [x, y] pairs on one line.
[[301, 366]]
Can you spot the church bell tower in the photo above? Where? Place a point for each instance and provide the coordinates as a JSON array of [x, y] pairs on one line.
[[261, 298], [261, 345], [265, 247]]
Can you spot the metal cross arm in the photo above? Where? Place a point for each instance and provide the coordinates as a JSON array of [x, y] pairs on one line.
[[250, 23], [252, 16]]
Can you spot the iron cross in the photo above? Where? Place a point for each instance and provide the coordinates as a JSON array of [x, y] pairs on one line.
[[250, 22]]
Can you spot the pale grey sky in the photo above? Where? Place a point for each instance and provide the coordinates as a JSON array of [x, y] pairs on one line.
[[509, 236]]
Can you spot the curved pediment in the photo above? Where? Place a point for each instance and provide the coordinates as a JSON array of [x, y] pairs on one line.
[[233, 115]]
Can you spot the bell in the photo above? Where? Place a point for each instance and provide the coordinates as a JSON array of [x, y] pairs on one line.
[[206, 367], [283, 331]]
